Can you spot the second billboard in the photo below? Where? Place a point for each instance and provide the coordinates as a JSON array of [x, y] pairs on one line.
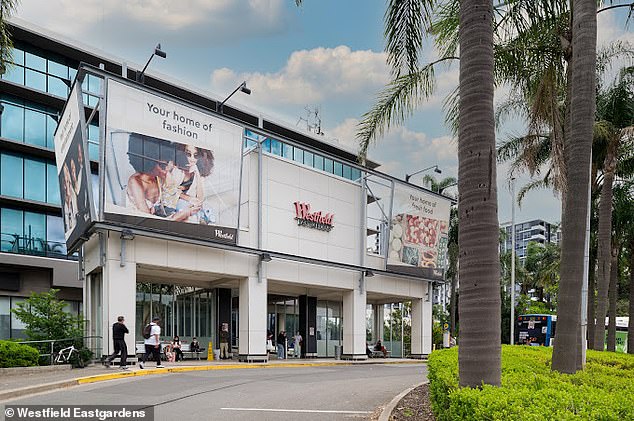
[[170, 167]]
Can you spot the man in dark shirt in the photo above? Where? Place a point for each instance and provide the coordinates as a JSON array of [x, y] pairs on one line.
[[119, 329]]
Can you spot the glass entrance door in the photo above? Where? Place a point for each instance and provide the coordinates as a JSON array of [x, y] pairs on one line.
[[329, 327]]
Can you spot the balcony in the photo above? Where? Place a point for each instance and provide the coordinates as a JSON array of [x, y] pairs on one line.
[[33, 246]]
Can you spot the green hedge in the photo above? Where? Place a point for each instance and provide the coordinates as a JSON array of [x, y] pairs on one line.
[[17, 355], [531, 391]]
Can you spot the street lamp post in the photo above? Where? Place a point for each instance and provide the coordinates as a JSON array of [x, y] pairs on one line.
[[512, 261], [436, 170]]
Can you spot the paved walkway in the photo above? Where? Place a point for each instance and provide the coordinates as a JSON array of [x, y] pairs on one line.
[[23, 382]]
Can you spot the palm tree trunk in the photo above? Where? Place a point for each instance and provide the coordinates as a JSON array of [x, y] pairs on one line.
[[579, 152], [604, 240], [614, 269], [591, 295], [479, 354], [630, 325]]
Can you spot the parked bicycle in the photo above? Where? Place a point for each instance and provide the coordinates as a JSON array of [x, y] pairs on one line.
[[65, 356]]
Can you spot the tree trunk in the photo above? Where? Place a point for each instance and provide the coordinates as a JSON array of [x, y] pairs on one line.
[[591, 296], [604, 240], [613, 294], [479, 354], [579, 153], [630, 325]]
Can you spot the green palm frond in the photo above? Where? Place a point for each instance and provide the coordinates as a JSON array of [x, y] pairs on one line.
[[608, 54], [543, 183], [445, 26], [450, 106], [395, 103], [406, 24], [7, 7]]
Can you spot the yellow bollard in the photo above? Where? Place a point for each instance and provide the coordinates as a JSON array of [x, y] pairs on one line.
[[210, 352]]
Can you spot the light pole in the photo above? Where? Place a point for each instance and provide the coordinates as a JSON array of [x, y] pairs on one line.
[[242, 88], [140, 77], [513, 261], [436, 170]]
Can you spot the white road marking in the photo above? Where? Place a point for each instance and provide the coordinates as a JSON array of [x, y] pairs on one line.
[[311, 411]]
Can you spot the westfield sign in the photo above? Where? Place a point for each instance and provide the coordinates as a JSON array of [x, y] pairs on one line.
[[318, 220]]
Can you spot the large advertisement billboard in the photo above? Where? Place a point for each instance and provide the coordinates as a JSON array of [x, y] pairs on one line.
[[170, 167], [73, 169], [418, 233]]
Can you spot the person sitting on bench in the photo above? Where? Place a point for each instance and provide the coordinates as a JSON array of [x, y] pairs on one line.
[[195, 346], [379, 347]]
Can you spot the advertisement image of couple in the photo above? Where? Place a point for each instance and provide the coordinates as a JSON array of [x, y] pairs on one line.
[[169, 179]]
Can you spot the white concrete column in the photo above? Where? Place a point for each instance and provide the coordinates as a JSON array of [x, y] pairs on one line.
[[252, 299], [379, 322], [119, 299], [421, 327], [354, 303]]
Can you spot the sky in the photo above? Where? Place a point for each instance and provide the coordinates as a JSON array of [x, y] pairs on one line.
[[326, 55]]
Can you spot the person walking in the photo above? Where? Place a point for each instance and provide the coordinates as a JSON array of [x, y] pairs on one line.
[[153, 344], [281, 345], [224, 342], [119, 330], [297, 353]]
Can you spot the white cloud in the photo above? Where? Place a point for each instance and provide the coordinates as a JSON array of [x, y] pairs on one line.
[[154, 19], [313, 76]]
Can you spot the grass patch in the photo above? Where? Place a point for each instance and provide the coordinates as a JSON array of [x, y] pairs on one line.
[[531, 391]]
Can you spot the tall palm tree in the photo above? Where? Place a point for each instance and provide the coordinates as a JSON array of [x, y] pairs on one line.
[[615, 112], [439, 186], [480, 348], [578, 156], [7, 7]]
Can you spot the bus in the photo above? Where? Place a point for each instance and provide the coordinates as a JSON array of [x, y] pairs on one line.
[[621, 333], [535, 329]]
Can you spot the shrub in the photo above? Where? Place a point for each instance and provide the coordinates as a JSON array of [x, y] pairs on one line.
[[17, 355], [531, 391]]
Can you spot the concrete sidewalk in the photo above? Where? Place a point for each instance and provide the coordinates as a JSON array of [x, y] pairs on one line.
[[27, 382]]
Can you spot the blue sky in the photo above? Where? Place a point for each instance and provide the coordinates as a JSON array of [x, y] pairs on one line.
[[327, 54]]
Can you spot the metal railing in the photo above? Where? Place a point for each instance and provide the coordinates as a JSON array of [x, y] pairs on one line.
[[50, 347], [34, 246]]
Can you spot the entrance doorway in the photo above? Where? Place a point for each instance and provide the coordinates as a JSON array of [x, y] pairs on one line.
[[329, 327]]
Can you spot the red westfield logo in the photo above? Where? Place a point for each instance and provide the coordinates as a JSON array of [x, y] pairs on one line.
[[318, 220]]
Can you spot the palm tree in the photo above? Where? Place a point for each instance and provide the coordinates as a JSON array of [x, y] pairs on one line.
[[7, 7], [439, 186], [578, 156], [615, 112]]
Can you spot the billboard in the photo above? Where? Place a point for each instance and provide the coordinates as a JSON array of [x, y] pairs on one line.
[[170, 167], [418, 233], [73, 169]]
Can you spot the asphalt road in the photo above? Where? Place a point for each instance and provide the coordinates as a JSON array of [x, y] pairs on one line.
[[306, 393]]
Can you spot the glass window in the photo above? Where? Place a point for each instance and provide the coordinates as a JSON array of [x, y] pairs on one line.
[[57, 69], [328, 165], [34, 127], [57, 87], [33, 61], [52, 184], [338, 169], [93, 132], [55, 235], [276, 147], [298, 155], [287, 151], [347, 172], [11, 175], [18, 56], [308, 158], [14, 73], [11, 228], [35, 80], [266, 145], [93, 151], [17, 327], [51, 125], [12, 123], [34, 180], [356, 174], [319, 162], [35, 231], [5, 317]]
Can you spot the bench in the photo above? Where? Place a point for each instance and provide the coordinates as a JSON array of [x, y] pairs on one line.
[[378, 354]]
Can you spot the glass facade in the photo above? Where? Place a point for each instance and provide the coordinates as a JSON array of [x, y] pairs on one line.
[[304, 157], [329, 327], [11, 327], [28, 178], [32, 233], [27, 122], [184, 311]]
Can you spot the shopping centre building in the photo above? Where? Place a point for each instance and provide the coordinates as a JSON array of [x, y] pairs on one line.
[[206, 214]]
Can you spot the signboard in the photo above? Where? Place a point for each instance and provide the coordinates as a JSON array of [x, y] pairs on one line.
[[73, 169], [318, 220], [170, 167], [418, 233]]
